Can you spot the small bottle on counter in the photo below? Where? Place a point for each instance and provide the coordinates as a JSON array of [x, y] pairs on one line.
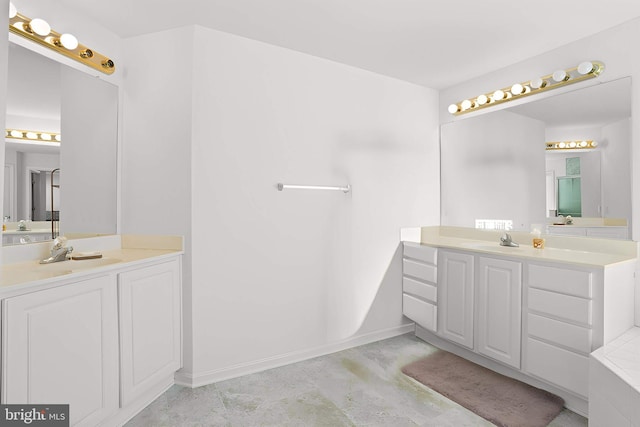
[[538, 242]]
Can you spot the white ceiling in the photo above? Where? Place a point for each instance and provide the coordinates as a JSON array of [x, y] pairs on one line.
[[435, 43]]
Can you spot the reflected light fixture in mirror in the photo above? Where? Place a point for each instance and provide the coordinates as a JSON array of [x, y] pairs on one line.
[[585, 70], [571, 145], [33, 135], [39, 31]]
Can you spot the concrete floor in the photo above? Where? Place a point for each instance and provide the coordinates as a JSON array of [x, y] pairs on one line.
[[362, 386]]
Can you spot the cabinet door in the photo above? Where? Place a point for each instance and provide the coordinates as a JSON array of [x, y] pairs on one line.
[[499, 310], [150, 327], [455, 297], [60, 346]]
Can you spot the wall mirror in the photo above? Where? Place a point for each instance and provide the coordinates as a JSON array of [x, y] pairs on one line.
[[494, 167], [74, 181]]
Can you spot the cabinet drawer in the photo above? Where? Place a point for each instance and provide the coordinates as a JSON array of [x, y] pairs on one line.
[[419, 289], [421, 312], [565, 334], [419, 270], [558, 366], [423, 253], [572, 282], [562, 306]]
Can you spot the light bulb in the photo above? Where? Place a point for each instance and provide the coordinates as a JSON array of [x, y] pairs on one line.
[[40, 27], [498, 95], [12, 11], [482, 99], [57, 138], [572, 144], [584, 144], [16, 134], [69, 41], [45, 137], [560, 76], [537, 83], [586, 68], [466, 104], [517, 89], [562, 145], [32, 135], [594, 143], [453, 108]]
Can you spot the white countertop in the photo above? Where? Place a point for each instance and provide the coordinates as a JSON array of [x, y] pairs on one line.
[[574, 250], [118, 252]]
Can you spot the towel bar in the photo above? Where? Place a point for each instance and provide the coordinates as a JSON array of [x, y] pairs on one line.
[[344, 189]]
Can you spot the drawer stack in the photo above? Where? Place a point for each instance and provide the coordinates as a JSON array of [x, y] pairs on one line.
[[419, 285], [559, 326]]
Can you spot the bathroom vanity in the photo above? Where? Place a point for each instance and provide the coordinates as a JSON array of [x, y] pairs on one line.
[[102, 335], [532, 314], [607, 228]]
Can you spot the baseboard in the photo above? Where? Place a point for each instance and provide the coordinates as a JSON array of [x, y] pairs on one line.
[[200, 379]]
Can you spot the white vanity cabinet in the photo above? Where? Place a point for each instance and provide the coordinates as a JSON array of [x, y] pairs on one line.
[[499, 308], [105, 343], [539, 320], [150, 343], [570, 312], [456, 289], [532, 314], [480, 304], [419, 288], [60, 345]]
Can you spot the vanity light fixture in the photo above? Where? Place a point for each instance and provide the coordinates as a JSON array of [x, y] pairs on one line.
[[32, 135], [584, 71], [571, 145], [39, 31]]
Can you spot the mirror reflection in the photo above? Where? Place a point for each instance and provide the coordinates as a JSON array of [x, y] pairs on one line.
[[67, 187], [496, 172]]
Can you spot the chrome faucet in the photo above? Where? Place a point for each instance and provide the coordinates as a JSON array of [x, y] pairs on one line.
[[59, 251], [506, 240]]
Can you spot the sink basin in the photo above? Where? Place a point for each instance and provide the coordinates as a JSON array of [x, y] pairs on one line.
[[488, 246], [71, 266]]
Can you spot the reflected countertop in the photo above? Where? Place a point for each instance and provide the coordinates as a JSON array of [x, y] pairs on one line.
[[28, 231]]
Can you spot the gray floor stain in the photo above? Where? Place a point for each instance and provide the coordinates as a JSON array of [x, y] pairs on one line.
[[356, 369], [362, 386]]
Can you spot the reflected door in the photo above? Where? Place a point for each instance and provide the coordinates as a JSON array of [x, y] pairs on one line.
[[569, 196], [38, 196]]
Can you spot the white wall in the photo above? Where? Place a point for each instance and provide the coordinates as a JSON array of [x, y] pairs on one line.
[[281, 272], [156, 151], [493, 167], [275, 273]]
